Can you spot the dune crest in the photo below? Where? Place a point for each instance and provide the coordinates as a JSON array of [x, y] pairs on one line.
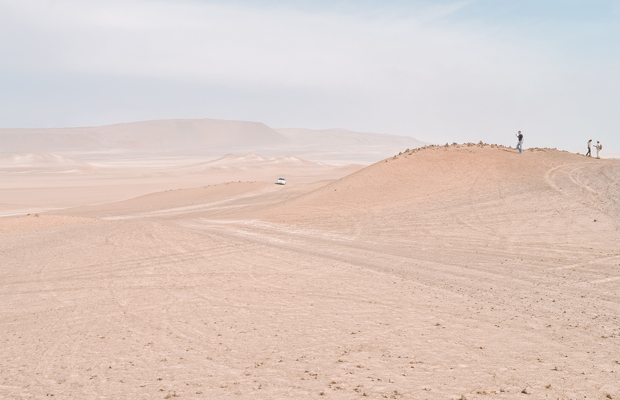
[[475, 174]]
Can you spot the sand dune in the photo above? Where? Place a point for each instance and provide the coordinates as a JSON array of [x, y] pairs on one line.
[[443, 273], [252, 160], [41, 162], [219, 198], [440, 173], [54, 181]]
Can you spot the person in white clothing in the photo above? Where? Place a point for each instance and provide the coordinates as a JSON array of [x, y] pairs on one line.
[[598, 148]]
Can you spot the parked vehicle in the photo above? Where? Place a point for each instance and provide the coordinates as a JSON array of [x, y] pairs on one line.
[[281, 181]]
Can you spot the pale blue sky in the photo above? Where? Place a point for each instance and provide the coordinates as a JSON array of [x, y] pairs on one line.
[[437, 70]]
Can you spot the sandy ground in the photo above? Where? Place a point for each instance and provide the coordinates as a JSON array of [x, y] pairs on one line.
[[444, 273], [32, 183]]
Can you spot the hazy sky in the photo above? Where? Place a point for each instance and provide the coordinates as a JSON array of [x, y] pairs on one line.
[[437, 70]]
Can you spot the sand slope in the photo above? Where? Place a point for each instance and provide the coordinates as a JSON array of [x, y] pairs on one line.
[[54, 181], [441, 173], [446, 273]]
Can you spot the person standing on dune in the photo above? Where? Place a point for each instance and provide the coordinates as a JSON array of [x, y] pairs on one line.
[[589, 153], [598, 148], [520, 143]]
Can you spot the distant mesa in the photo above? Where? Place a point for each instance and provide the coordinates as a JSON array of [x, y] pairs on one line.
[[157, 135], [203, 138]]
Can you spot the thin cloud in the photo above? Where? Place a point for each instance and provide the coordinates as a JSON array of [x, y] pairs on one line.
[[212, 43], [426, 70]]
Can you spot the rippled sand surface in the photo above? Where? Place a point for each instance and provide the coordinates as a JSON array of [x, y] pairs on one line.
[[442, 273]]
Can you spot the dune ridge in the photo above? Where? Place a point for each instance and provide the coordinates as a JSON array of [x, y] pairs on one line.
[[433, 172]]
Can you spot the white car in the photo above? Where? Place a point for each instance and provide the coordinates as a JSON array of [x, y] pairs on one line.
[[281, 181]]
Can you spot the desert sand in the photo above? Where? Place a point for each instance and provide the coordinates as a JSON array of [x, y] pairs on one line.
[[55, 168], [457, 272], [44, 181]]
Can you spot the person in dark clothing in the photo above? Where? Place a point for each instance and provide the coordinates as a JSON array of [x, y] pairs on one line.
[[520, 143], [589, 153]]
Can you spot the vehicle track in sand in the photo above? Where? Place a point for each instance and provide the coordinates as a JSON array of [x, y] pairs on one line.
[[481, 292]]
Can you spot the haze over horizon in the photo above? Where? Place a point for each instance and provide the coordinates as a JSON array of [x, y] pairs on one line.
[[439, 71]]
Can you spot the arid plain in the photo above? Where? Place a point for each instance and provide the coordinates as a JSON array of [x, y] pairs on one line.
[[446, 272]]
